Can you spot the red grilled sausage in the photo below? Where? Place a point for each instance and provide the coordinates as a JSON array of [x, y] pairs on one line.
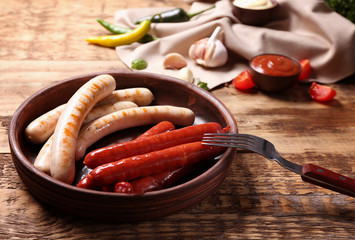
[[161, 127], [154, 182], [164, 126], [153, 162], [149, 144], [87, 182]]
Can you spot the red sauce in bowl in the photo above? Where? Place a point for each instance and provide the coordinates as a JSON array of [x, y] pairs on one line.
[[275, 65]]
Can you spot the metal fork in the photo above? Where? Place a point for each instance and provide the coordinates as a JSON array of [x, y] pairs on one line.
[[309, 172]]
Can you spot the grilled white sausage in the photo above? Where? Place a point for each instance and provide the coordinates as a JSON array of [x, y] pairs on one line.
[[43, 159], [102, 110], [140, 96], [40, 129], [132, 117], [62, 165]]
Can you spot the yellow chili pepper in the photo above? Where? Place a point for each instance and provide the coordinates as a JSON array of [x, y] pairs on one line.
[[122, 39]]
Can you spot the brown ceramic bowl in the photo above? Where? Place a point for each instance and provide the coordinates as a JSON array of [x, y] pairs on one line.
[[254, 17], [274, 83], [113, 206]]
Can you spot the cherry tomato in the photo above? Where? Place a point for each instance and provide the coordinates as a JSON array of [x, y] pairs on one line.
[[306, 69], [243, 81], [321, 93]]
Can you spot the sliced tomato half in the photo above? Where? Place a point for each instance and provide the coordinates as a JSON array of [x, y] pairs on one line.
[[306, 69], [321, 93], [243, 81]]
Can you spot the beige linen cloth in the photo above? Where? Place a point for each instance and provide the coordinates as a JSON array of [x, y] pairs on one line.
[[300, 29]]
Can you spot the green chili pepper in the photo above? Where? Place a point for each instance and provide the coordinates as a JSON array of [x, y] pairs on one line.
[[122, 39], [173, 15], [139, 64], [121, 30]]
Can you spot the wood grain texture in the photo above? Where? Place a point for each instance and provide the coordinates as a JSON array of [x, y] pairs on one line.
[[43, 42]]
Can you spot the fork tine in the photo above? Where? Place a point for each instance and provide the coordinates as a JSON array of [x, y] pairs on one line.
[[229, 140]]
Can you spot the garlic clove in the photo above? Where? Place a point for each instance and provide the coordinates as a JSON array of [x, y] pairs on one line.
[[174, 61], [210, 49], [186, 75], [197, 49], [192, 51]]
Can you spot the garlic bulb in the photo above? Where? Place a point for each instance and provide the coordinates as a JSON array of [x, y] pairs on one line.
[[209, 52]]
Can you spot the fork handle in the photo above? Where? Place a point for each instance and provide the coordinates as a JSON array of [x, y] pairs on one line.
[[328, 179]]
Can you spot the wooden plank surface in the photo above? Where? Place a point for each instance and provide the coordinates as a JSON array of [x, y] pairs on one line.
[[42, 42]]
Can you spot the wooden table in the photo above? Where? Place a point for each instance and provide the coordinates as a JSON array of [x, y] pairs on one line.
[[43, 42]]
